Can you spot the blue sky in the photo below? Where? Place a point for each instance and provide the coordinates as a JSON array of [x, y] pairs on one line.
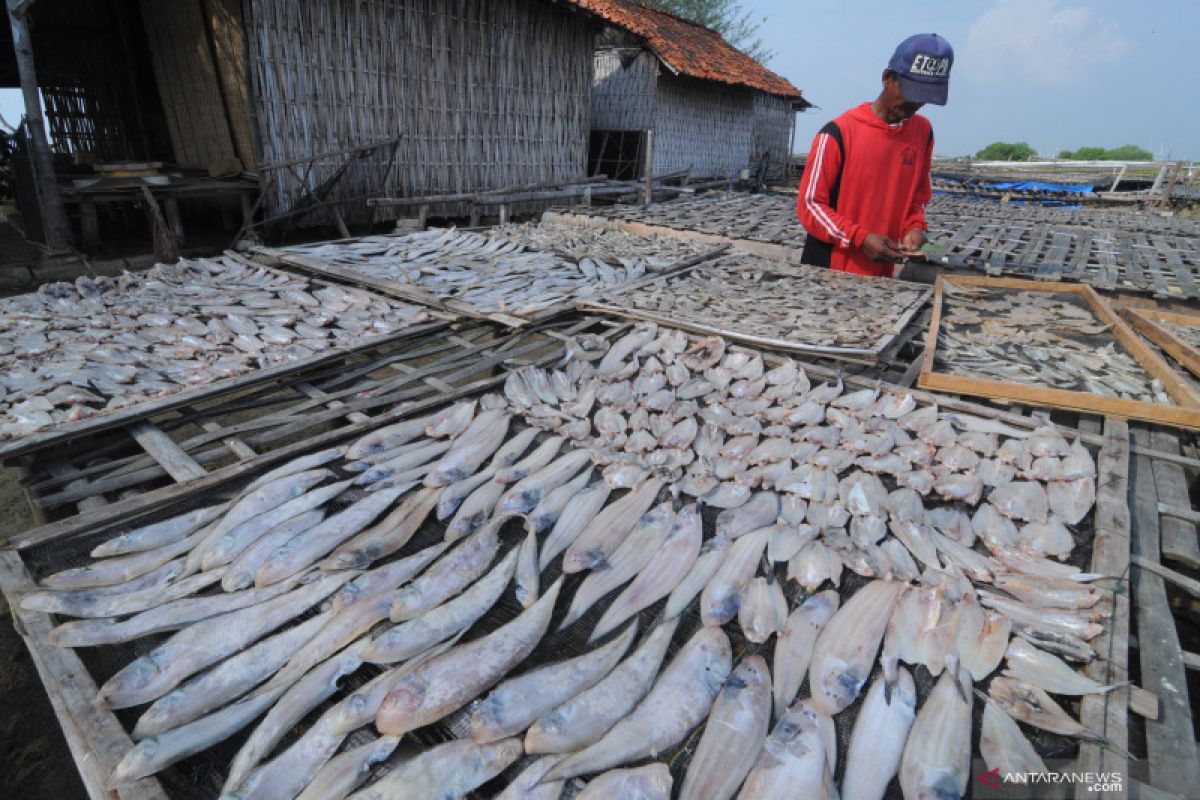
[[1058, 74]]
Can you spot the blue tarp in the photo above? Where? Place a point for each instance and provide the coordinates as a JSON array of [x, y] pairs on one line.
[[1038, 186]]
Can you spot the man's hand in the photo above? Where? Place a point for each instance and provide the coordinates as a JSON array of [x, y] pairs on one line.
[[881, 249], [912, 241]]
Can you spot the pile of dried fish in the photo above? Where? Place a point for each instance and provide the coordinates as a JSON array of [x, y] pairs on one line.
[[70, 351], [615, 248], [331, 569], [1188, 334], [759, 217], [1037, 338], [794, 307], [497, 273]]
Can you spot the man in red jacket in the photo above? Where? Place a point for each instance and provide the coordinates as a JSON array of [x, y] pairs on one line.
[[865, 185]]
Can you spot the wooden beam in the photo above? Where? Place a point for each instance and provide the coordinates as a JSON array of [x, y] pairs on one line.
[[1189, 585], [54, 213], [1170, 740]]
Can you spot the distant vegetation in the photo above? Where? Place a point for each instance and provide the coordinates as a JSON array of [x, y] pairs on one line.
[[726, 17], [1007, 151], [1126, 152]]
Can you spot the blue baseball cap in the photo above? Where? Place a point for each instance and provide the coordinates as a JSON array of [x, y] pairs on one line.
[[922, 64]]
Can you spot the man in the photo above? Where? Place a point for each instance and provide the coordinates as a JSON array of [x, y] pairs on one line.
[[865, 186]]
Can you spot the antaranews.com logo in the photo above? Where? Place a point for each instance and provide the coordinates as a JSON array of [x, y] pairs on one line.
[[995, 784]]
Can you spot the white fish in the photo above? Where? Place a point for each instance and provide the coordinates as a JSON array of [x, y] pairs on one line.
[[680, 700], [297, 700], [474, 446], [1027, 703], [449, 770], [158, 752], [120, 569], [1048, 672], [542, 455], [523, 496], [386, 438], [585, 718], [981, 637], [225, 682], [386, 578], [608, 529], [576, 515], [763, 609], [1003, 746], [386, 537], [415, 636], [451, 680], [721, 598], [450, 574], [937, 758], [845, 650], [528, 575], [453, 495], [761, 511], [342, 774], [794, 645], [207, 642], [815, 564], [158, 534], [798, 753], [518, 702], [877, 743], [712, 556], [550, 508], [528, 786], [89, 603], [626, 561], [452, 420], [651, 782], [661, 574], [316, 542], [733, 735], [240, 573]]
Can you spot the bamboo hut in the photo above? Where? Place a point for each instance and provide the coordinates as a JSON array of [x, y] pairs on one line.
[[479, 94], [712, 108]]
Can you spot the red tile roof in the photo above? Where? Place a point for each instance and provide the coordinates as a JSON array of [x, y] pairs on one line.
[[688, 48]]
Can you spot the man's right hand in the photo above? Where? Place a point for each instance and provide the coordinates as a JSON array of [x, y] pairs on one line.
[[881, 249]]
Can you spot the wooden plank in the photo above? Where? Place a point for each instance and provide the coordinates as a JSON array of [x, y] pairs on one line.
[[1106, 714], [178, 464], [1189, 585], [1179, 540], [1179, 513], [95, 737], [1173, 762], [1144, 321]]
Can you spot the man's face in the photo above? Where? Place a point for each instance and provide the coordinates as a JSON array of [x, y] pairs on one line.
[[895, 108]]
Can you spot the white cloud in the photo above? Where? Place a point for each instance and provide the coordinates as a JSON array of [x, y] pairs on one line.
[[1043, 41]]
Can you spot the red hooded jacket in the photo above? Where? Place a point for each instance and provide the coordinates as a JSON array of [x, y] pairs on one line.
[[876, 181]]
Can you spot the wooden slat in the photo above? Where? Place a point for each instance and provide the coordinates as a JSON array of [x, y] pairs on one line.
[[1179, 540], [1145, 322], [1107, 714], [178, 464], [95, 737], [1173, 762]]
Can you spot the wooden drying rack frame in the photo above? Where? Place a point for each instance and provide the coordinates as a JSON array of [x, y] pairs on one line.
[[98, 740], [610, 304], [1184, 415], [1146, 322], [97, 423], [450, 305]]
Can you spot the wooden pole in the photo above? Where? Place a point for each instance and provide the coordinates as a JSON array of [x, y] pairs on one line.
[[649, 170], [54, 214]]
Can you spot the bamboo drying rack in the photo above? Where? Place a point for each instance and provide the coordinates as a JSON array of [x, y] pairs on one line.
[[1184, 415]]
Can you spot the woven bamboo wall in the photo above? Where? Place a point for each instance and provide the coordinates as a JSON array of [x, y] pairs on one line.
[[623, 89], [704, 125], [774, 121], [488, 93], [181, 48]]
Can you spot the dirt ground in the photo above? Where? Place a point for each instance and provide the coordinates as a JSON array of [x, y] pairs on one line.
[[37, 763]]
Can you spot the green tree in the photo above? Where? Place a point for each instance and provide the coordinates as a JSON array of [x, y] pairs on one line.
[[1129, 152], [727, 17], [1007, 151]]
